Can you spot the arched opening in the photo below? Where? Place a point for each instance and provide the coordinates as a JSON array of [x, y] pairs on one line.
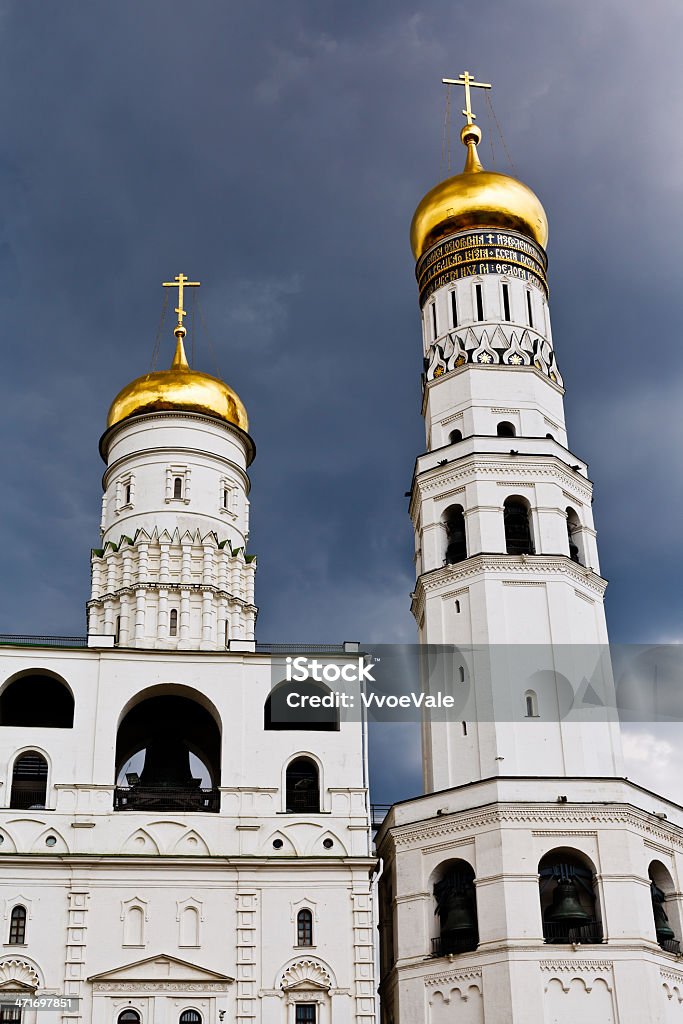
[[664, 909], [168, 750], [531, 704], [189, 927], [302, 788], [300, 715], [575, 536], [173, 622], [453, 520], [29, 782], [17, 926], [569, 904], [177, 487], [190, 1017], [455, 436], [506, 429], [129, 1017], [37, 700], [304, 928], [517, 523], [456, 909], [134, 927]]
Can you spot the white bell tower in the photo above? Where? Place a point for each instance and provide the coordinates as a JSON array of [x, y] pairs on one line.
[[532, 883], [173, 572], [505, 547]]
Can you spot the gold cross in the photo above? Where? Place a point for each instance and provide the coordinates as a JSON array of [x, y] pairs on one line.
[[467, 80], [180, 282]]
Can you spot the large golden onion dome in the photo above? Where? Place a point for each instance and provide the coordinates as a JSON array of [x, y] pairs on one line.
[[476, 199], [180, 388]]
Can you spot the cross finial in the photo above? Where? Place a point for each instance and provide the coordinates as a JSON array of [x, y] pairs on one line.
[[468, 81], [180, 282]]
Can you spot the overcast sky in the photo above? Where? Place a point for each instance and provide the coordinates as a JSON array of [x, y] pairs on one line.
[[276, 152]]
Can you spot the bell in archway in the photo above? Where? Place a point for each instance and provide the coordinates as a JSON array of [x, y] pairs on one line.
[[566, 907], [167, 764], [663, 929], [459, 917]]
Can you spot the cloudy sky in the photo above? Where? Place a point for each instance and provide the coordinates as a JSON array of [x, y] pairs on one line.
[[276, 152]]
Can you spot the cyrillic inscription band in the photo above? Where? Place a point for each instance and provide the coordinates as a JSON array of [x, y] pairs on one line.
[[481, 252]]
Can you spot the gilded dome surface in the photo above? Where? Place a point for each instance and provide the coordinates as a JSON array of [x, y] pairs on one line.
[[474, 199], [179, 388]]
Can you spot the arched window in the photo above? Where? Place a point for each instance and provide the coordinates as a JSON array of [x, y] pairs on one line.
[[37, 700], [664, 907], [177, 487], [304, 928], [173, 622], [574, 536], [302, 787], [29, 781], [531, 704], [17, 926], [117, 631], [456, 909], [517, 525], [455, 436], [190, 1017], [129, 1017], [569, 905], [506, 429], [278, 714], [456, 538]]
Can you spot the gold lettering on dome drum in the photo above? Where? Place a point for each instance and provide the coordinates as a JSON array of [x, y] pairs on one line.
[[481, 252]]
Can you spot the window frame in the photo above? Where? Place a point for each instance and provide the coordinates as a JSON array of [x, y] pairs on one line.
[[17, 925]]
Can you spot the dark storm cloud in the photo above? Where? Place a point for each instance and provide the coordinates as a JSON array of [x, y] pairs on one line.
[[276, 152]]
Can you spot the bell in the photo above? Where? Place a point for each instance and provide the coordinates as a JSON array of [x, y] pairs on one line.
[[662, 927], [459, 915], [566, 908], [167, 764]]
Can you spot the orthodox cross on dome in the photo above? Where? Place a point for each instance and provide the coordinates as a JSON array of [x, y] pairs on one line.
[[180, 282], [468, 81]]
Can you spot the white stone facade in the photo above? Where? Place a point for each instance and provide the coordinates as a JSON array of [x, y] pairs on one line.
[[169, 910], [173, 571]]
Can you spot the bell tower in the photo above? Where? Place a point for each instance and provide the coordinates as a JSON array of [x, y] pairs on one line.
[[526, 886], [505, 546], [173, 572]]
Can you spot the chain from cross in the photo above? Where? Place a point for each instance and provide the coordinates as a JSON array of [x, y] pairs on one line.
[[180, 282], [467, 80]]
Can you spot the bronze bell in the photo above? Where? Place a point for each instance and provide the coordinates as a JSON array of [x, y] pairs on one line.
[[459, 915], [566, 908], [167, 763], [662, 927]]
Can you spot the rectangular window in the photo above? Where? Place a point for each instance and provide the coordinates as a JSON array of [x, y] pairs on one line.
[[529, 311], [305, 1013], [480, 302], [506, 302], [10, 1014], [434, 330], [454, 308]]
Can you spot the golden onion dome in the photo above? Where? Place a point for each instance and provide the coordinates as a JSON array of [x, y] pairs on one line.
[[180, 388], [475, 199]]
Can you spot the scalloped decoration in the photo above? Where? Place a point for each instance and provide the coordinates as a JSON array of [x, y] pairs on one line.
[[306, 974], [19, 972]]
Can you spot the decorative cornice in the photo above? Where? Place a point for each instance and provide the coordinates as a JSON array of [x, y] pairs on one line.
[[576, 965], [472, 973], [551, 467], [527, 564]]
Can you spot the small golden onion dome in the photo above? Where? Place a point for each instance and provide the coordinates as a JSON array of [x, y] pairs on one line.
[[180, 388], [474, 199]]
